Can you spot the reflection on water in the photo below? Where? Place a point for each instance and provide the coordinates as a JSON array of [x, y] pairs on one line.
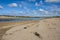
[[18, 19]]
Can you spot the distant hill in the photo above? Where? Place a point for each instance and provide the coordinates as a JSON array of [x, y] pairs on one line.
[[30, 16]]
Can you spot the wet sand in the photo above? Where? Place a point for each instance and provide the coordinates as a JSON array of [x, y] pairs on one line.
[[10, 24], [47, 29]]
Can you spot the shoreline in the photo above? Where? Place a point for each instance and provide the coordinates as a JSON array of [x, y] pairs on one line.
[[47, 28], [2, 24]]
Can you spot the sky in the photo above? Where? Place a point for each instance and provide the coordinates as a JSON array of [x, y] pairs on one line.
[[30, 7]]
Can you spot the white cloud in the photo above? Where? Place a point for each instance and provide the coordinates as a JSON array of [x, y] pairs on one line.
[[34, 12], [25, 8], [43, 11], [52, 0], [41, 2], [37, 4], [13, 5], [1, 6], [54, 9], [21, 12]]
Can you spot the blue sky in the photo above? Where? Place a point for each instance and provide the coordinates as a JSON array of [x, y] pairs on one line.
[[30, 7]]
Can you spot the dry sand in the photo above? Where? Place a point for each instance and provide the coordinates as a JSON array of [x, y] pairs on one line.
[[5, 17], [47, 29]]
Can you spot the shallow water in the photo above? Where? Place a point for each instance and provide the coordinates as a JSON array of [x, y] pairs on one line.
[[18, 19]]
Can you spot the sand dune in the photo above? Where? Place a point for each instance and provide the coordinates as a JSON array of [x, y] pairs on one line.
[[47, 29]]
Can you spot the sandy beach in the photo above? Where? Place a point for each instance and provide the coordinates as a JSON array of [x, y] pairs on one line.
[[46, 29]]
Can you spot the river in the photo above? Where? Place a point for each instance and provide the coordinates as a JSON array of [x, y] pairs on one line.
[[18, 19]]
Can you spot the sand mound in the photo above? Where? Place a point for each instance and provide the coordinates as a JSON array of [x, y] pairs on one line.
[[48, 29]]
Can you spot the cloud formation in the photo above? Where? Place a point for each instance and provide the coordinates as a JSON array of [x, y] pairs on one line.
[[13, 5], [43, 11], [1, 6], [52, 0], [37, 4], [22, 12], [51, 10]]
